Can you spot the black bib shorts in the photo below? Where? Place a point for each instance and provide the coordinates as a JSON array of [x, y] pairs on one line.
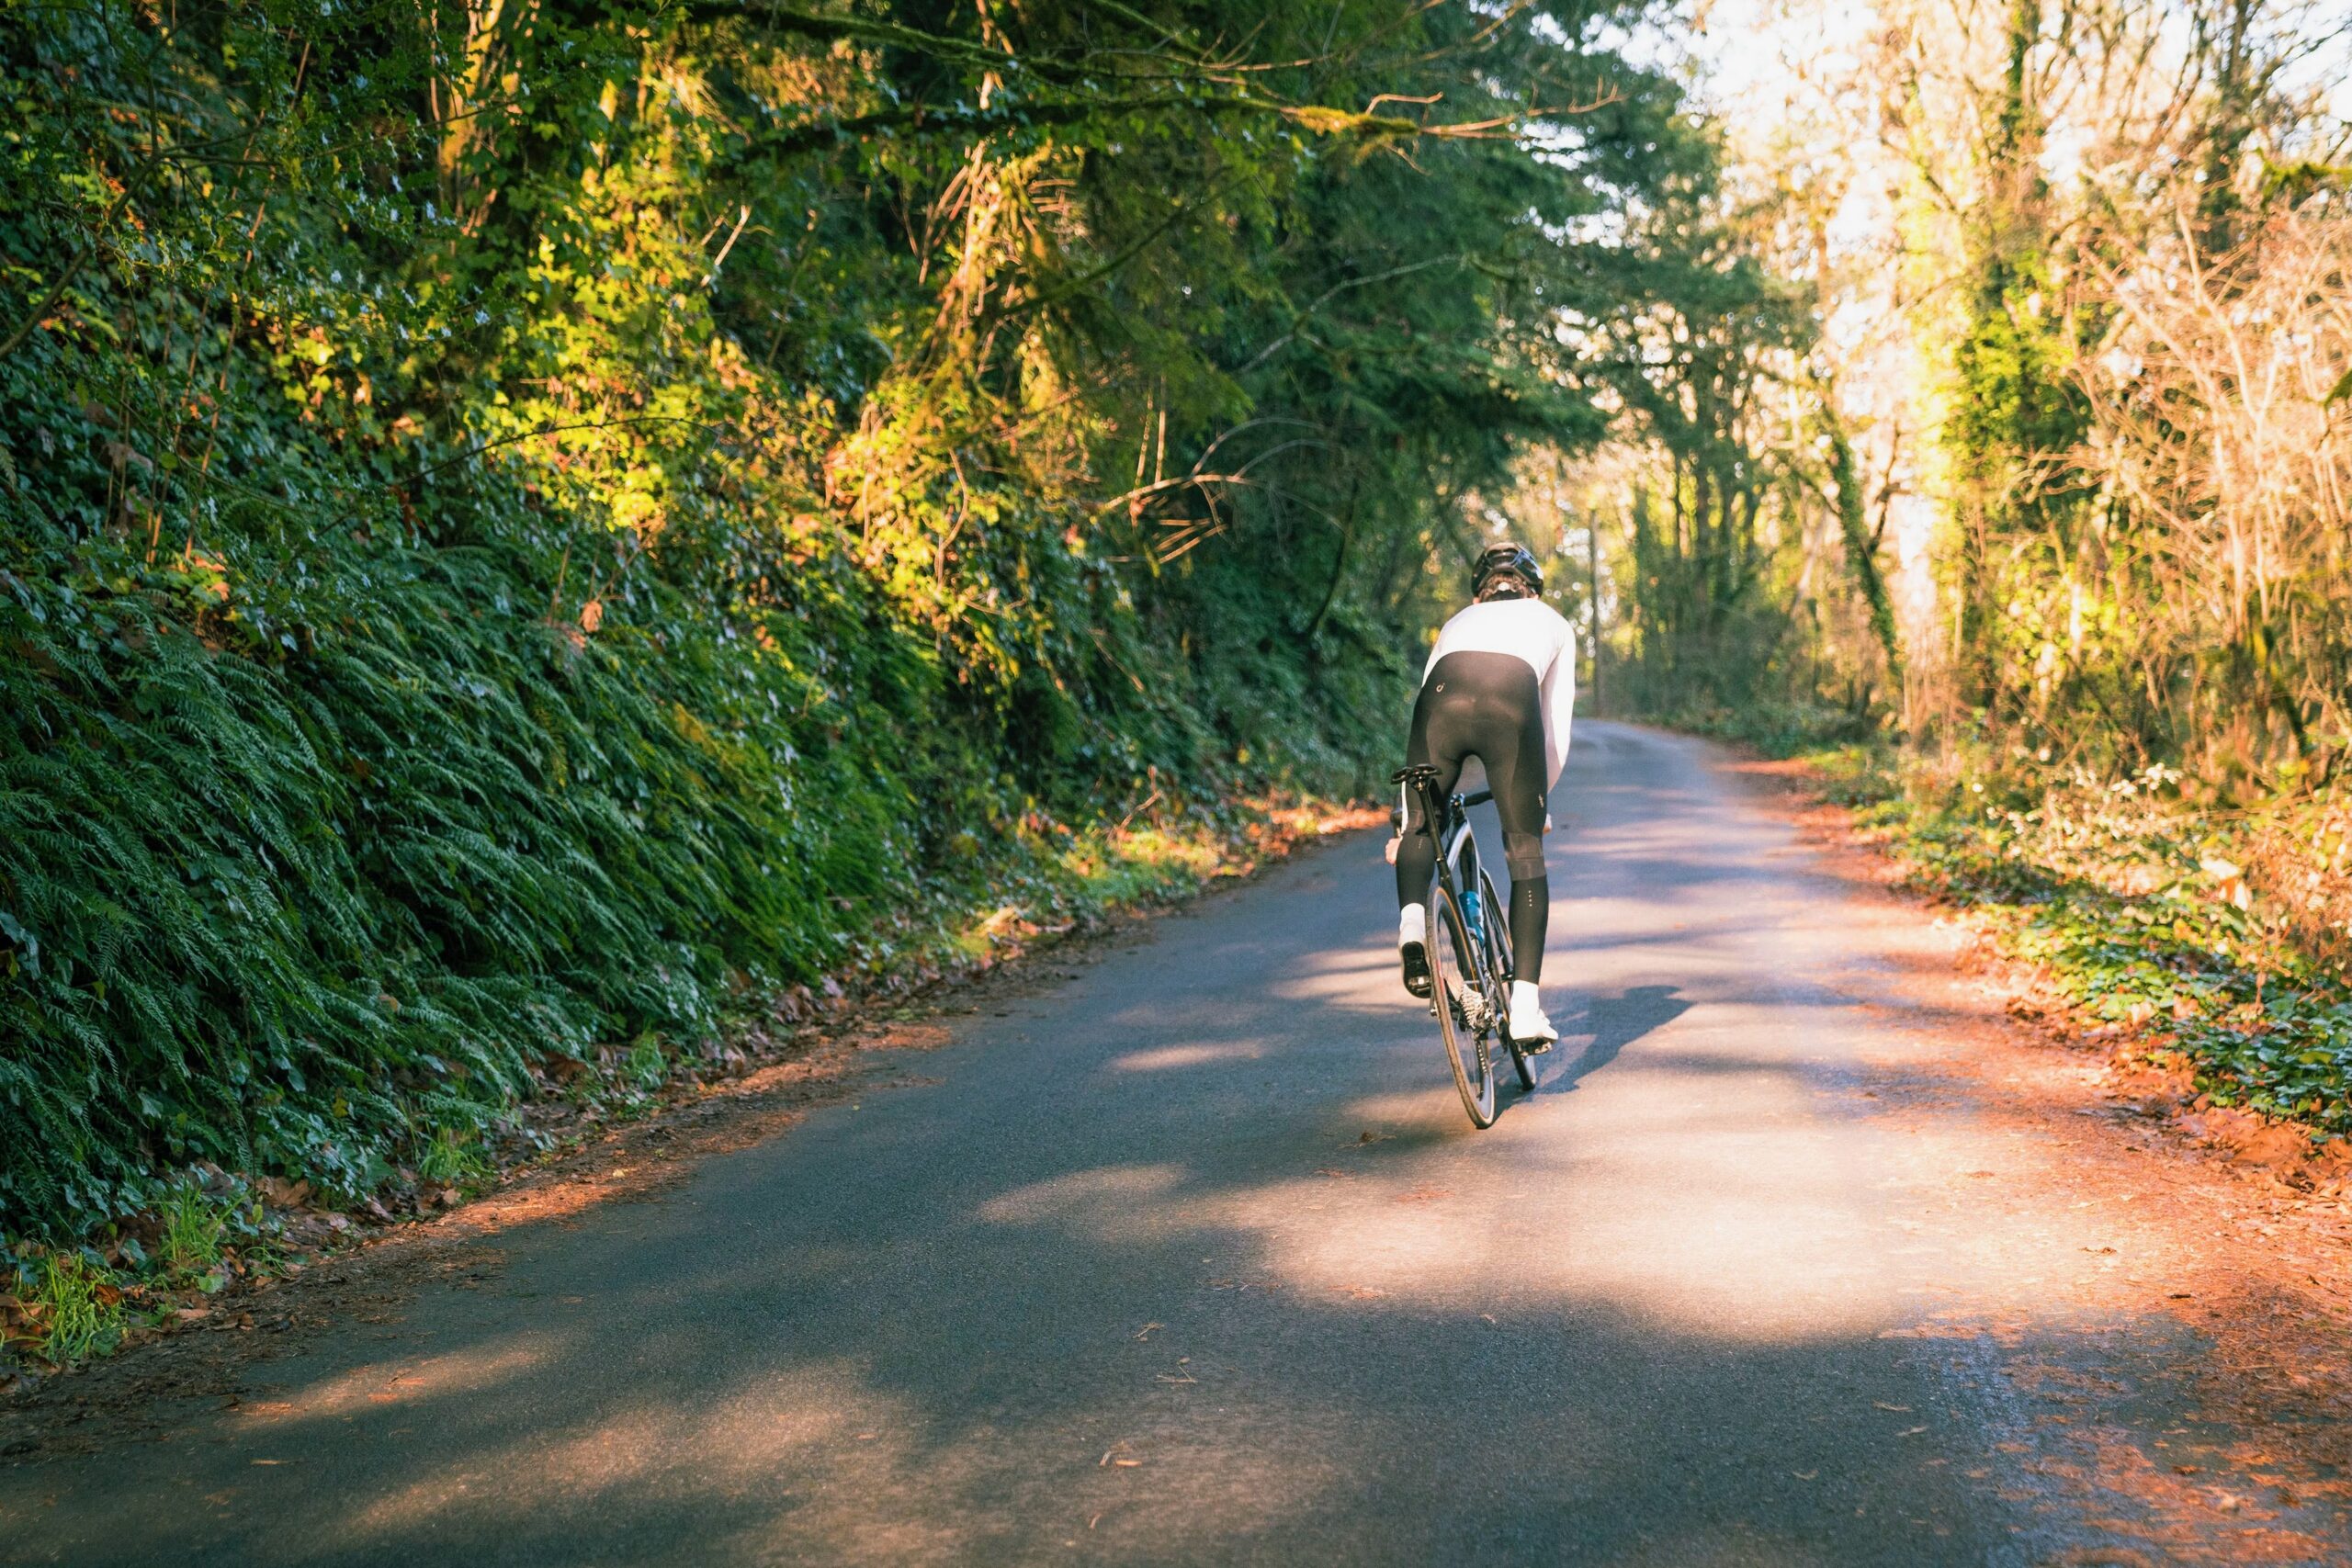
[[1485, 705]]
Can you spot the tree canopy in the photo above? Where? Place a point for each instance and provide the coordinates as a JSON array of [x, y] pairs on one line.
[[523, 525]]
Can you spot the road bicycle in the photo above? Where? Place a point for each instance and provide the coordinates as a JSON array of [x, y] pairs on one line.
[[1469, 950]]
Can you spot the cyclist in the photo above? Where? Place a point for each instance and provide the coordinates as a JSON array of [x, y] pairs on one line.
[[1501, 685]]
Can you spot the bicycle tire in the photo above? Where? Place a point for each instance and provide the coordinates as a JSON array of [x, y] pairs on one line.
[[1455, 965], [1498, 963]]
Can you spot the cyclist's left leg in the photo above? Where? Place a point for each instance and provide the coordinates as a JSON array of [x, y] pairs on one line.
[[1430, 741]]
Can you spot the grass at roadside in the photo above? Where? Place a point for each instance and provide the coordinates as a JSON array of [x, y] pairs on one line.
[[153, 1271], [62, 1305]]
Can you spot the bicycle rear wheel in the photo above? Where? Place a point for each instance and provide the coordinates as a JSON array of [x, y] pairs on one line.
[[1494, 928], [1461, 996]]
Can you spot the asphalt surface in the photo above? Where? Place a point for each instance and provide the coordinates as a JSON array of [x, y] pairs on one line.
[[1195, 1259]]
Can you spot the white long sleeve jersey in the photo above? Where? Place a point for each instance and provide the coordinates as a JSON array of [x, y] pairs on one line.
[[1534, 631]]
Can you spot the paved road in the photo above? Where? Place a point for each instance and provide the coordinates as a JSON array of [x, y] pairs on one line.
[[1194, 1258]]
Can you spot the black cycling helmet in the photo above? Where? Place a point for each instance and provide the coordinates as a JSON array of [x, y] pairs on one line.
[[1508, 559]]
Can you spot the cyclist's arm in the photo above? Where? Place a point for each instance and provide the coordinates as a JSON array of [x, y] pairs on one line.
[[1559, 694]]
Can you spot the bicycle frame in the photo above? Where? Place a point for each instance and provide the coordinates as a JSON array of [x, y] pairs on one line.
[[1468, 1017], [1455, 843]]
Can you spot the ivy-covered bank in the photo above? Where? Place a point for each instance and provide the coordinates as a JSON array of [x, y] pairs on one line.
[[526, 531]]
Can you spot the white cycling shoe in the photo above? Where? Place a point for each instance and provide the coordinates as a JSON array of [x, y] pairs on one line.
[[1528, 1025], [1412, 948]]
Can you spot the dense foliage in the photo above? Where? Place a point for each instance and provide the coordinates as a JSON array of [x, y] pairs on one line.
[[2056, 467], [2005, 433], [520, 524]]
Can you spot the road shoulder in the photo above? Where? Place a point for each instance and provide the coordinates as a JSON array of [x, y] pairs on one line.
[[2182, 1376]]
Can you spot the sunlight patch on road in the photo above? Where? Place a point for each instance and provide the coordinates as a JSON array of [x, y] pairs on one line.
[[1694, 1184], [816, 1463], [1162, 1058], [1084, 1197], [736, 1445], [1350, 978], [405, 1382]]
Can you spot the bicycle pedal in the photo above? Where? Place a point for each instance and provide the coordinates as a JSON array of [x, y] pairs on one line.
[[1534, 1047], [1415, 961]]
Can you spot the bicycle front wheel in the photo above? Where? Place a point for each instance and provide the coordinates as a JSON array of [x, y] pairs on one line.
[[1461, 996]]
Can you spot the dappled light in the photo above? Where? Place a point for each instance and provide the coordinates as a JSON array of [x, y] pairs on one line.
[[1177, 1285]]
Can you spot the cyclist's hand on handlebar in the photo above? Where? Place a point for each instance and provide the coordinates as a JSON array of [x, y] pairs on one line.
[[1395, 844]]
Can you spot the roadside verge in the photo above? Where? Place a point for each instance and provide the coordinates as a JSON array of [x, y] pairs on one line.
[[249, 1258], [2187, 950]]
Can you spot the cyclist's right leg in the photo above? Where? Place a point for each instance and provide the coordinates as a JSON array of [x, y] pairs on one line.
[[1515, 770]]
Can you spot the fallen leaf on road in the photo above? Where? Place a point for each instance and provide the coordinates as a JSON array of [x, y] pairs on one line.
[[1144, 1332], [1882, 1404], [1804, 1475]]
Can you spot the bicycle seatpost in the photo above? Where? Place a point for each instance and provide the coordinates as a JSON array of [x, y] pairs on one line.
[[1421, 779]]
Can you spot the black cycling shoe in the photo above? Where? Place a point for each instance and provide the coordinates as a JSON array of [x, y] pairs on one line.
[[1415, 957]]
